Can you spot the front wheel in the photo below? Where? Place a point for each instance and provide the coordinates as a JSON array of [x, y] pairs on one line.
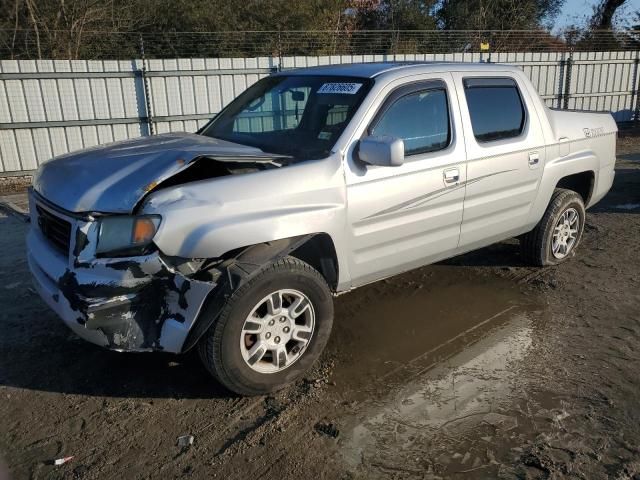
[[557, 235], [271, 329]]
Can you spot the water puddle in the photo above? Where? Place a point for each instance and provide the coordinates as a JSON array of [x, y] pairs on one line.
[[627, 206], [387, 331], [427, 366]]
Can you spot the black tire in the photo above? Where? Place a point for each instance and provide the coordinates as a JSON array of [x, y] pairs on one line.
[[219, 348], [536, 246]]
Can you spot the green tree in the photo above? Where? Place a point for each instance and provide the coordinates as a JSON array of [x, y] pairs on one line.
[[496, 14], [393, 14], [240, 15]]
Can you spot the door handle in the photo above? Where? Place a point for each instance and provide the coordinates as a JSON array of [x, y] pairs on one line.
[[534, 158], [451, 175]]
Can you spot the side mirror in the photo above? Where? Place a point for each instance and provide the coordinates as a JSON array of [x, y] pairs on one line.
[[297, 96], [382, 151]]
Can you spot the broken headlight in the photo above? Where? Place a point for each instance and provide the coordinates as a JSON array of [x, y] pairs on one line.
[[126, 235]]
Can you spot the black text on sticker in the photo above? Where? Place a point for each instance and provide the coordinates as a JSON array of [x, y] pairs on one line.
[[345, 88]]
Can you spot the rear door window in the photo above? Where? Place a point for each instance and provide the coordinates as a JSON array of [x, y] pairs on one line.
[[495, 108]]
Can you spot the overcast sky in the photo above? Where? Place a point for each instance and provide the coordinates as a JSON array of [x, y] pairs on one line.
[[577, 11]]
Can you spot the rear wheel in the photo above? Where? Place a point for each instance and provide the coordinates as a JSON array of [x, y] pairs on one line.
[[271, 330], [559, 232]]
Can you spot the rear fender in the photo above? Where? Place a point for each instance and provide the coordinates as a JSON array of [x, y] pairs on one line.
[[554, 171]]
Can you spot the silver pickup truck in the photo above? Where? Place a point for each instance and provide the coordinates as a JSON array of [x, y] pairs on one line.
[[312, 182]]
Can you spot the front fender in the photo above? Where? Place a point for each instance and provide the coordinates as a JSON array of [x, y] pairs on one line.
[[216, 236], [208, 218]]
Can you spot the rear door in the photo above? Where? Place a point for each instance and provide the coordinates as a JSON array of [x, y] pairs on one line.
[[402, 217], [505, 155]]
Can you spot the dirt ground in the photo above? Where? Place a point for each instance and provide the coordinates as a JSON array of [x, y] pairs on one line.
[[478, 367]]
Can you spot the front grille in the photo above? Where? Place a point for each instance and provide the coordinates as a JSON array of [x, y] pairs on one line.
[[55, 229]]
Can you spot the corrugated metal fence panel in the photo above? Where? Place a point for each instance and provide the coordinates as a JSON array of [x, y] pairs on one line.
[[65, 105], [603, 81], [185, 93], [544, 70], [48, 108]]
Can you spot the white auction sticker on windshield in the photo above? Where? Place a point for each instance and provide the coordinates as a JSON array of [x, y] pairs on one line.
[[344, 88]]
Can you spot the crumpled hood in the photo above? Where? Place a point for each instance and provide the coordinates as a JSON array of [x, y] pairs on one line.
[[113, 178]]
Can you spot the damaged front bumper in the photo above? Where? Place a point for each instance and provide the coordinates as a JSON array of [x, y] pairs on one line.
[[130, 304]]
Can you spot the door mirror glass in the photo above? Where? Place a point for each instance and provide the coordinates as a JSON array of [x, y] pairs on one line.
[[384, 151]]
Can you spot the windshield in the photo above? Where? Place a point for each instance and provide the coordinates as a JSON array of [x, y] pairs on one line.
[[298, 116]]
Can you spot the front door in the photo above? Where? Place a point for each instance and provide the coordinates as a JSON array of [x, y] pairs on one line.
[[406, 216]]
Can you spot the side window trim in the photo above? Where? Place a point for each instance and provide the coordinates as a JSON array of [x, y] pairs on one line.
[[410, 89], [502, 81]]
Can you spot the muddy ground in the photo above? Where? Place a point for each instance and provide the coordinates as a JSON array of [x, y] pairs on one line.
[[478, 367]]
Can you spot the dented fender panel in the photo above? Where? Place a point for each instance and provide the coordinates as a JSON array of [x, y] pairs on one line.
[[208, 218]]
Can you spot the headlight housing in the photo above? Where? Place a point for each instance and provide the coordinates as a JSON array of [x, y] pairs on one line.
[[127, 235]]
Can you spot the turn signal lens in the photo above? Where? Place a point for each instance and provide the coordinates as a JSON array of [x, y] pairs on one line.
[[143, 230]]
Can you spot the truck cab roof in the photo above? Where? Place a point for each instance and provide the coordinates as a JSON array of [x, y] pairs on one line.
[[377, 69]]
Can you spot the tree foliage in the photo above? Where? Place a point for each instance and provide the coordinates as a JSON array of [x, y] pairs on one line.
[[391, 14], [604, 11], [118, 28], [496, 14], [77, 16]]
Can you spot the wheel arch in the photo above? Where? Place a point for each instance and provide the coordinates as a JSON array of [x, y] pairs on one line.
[[581, 182], [316, 249], [235, 267], [579, 174]]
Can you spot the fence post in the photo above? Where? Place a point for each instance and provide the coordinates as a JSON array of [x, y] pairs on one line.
[[567, 81], [279, 50], [145, 89], [634, 90], [563, 64], [394, 45]]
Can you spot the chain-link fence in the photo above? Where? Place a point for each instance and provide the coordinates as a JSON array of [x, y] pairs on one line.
[[87, 45], [58, 96]]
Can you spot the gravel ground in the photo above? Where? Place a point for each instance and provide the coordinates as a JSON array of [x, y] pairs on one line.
[[478, 367]]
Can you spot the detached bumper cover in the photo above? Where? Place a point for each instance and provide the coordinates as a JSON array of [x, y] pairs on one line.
[[128, 304]]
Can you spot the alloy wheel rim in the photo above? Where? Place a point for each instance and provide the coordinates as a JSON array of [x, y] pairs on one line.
[[565, 233], [277, 331]]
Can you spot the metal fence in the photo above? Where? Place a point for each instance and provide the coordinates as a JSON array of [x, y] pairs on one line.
[[97, 45], [50, 107]]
